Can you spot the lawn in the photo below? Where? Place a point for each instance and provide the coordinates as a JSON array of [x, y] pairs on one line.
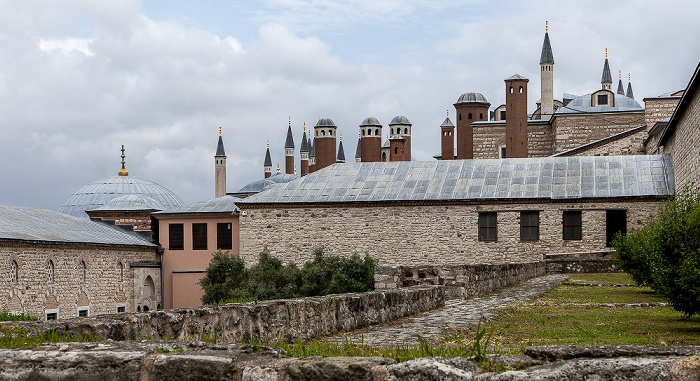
[[602, 278]]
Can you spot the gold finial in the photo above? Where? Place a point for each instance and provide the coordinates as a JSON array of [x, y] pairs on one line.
[[620, 71], [295, 169], [341, 136], [268, 144], [546, 26], [448, 113], [606, 53], [123, 171], [309, 134], [290, 121], [359, 134], [304, 127], [629, 77], [278, 167], [219, 131]]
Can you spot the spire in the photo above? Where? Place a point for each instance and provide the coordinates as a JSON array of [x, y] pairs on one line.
[[620, 87], [546, 57], [341, 152], [220, 147], [629, 94], [289, 143], [358, 151], [123, 171], [304, 142], [268, 160], [606, 78]]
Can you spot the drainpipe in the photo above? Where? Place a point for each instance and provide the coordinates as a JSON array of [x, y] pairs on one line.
[[160, 251]]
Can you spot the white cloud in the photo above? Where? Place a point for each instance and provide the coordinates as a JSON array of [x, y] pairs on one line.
[[67, 46]]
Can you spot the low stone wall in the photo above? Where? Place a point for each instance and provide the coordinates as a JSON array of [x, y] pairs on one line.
[[591, 262], [462, 281], [288, 319]]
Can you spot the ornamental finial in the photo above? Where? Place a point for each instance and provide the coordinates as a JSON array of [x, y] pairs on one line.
[[123, 171]]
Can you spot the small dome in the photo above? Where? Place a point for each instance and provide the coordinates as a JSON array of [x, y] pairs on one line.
[[325, 122], [472, 98], [400, 120], [371, 121]]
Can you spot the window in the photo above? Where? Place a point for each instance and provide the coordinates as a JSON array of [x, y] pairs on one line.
[[469, 116], [503, 152], [121, 307], [13, 271], [148, 287], [529, 226], [120, 267], [572, 225], [82, 271], [84, 311], [615, 222], [176, 235], [49, 271], [223, 236], [602, 99], [363, 132], [481, 116], [503, 115], [510, 89], [199, 236], [487, 226], [521, 89], [383, 156], [51, 314], [376, 132], [396, 150]]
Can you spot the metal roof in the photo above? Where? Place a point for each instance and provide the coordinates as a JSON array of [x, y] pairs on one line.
[[304, 143], [471, 98], [629, 94], [98, 193], [606, 77], [358, 150], [270, 182], [268, 160], [447, 123], [340, 158], [583, 104], [620, 88], [312, 149], [325, 122], [28, 224], [546, 57], [482, 179], [130, 202], [220, 205], [289, 142], [371, 121], [400, 120], [516, 77], [220, 147]]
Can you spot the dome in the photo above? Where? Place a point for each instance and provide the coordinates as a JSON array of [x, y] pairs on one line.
[[99, 193], [325, 122], [471, 98], [400, 120], [130, 202], [371, 121]]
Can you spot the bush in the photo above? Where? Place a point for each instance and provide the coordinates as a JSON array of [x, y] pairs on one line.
[[665, 253], [227, 280]]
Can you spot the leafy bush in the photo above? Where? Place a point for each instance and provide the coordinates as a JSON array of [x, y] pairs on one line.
[[13, 316], [227, 280], [665, 253]]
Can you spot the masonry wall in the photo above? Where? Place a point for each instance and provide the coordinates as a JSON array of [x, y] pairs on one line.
[[108, 278], [683, 145], [488, 138], [656, 109], [628, 145], [573, 130], [412, 234]]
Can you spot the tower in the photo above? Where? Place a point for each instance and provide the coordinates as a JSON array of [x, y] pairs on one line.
[[470, 108], [220, 168], [386, 148], [397, 148], [401, 126], [629, 94], [289, 150], [358, 150], [324, 143], [606, 79], [620, 87], [268, 162], [516, 121], [341, 152], [304, 153], [448, 139], [371, 136], [546, 77]]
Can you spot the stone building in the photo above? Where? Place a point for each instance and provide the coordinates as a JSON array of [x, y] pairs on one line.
[[61, 266]]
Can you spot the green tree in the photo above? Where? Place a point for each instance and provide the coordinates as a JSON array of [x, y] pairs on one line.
[[224, 279], [665, 253], [333, 274], [270, 279]]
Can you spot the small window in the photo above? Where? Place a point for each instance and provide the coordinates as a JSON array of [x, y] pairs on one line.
[[481, 116], [487, 226], [460, 116], [469, 116], [199, 236], [120, 268], [176, 235], [148, 287], [503, 115], [511, 89], [363, 132], [51, 314], [49, 271], [503, 152], [224, 239], [396, 150], [376, 132], [13, 271], [121, 307], [602, 99], [383, 156], [529, 226], [521, 89], [572, 225], [84, 311]]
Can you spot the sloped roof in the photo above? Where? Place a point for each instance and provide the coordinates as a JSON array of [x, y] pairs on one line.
[[358, 150], [606, 77], [220, 147], [289, 142], [484, 179], [447, 123], [220, 205], [28, 224], [341, 153], [129, 202], [268, 159], [688, 95], [546, 57]]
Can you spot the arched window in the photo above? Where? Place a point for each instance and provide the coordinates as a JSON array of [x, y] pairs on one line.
[[13, 271], [363, 132], [469, 116], [369, 132], [148, 288], [383, 156], [376, 132], [510, 89], [521, 89], [396, 150], [49, 271], [83, 270], [120, 268], [392, 130], [481, 115], [138, 309], [323, 133], [330, 132], [145, 308]]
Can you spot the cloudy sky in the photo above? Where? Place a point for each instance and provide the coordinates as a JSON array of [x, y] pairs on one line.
[[78, 78]]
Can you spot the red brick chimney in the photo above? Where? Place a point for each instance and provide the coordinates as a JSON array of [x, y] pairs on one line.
[[516, 118]]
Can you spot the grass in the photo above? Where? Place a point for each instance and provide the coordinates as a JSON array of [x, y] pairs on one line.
[[584, 295], [15, 337], [602, 278], [16, 316]]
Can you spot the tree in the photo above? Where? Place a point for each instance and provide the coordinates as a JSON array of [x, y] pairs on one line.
[[665, 253], [224, 278]]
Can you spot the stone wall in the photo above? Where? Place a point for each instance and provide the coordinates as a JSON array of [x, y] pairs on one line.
[[465, 281], [683, 145], [107, 282], [594, 262], [418, 234], [289, 319], [659, 108], [632, 144], [489, 137], [573, 130]]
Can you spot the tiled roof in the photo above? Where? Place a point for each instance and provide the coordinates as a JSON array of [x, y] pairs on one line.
[[485, 179]]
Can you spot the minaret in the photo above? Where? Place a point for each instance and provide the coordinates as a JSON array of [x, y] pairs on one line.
[[620, 87], [371, 136], [289, 150], [516, 122], [629, 94], [268, 162], [546, 77], [304, 153], [401, 126], [448, 138], [312, 154], [220, 168], [123, 171], [341, 151], [324, 143], [606, 79], [358, 150]]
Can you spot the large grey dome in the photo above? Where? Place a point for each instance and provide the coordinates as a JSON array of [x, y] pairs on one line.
[[371, 121], [399, 120], [325, 122], [99, 193], [471, 98]]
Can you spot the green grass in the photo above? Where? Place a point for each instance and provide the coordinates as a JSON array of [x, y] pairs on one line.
[[594, 294], [601, 278], [15, 337], [8, 316]]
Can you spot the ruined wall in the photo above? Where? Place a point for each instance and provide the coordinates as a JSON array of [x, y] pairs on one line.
[[418, 234], [573, 130], [107, 281], [595, 262]]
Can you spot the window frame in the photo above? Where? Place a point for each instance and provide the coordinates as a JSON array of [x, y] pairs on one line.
[[51, 312], [14, 271], [485, 226], [85, 309], [199, 237], [227, 237], [573, 227], [120, 306], [601, 97], [529, 225], [173, 244], [50, 271]]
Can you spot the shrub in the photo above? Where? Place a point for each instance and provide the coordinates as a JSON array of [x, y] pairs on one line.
[[224, 279], [334, 275], [665, 253]]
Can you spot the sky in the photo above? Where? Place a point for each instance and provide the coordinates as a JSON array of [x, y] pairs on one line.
[[79, 78]]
